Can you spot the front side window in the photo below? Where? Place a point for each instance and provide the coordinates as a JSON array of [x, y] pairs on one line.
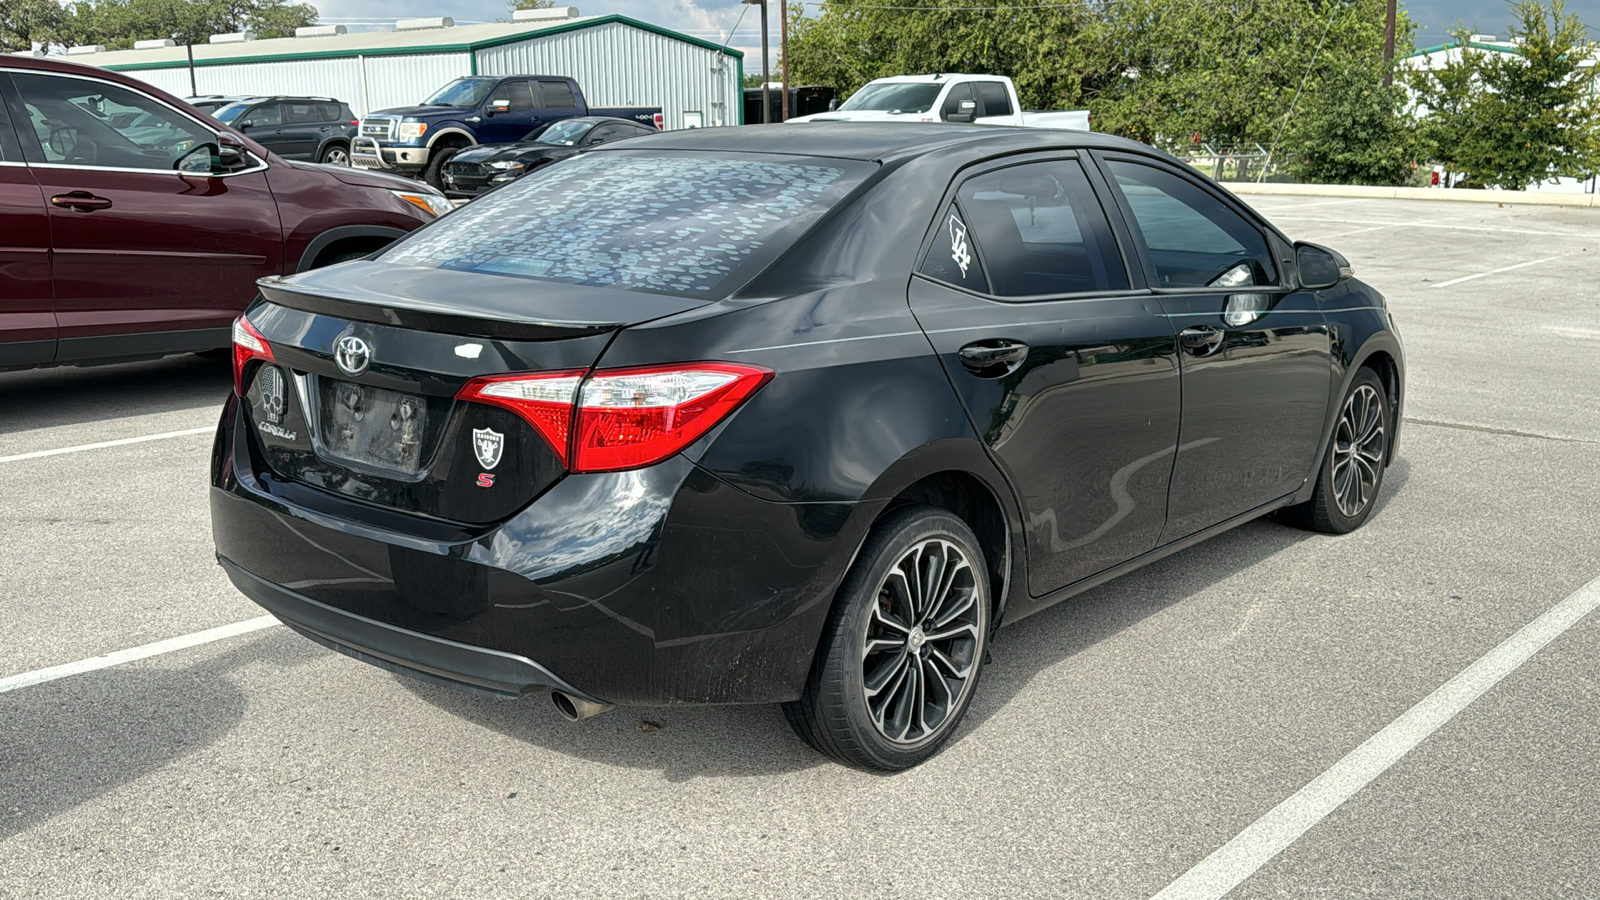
[[93, 123], [463, 92], [663, 223], [1042, 231], [267, 115], [899, 98], [1193, 239], [517, 93]]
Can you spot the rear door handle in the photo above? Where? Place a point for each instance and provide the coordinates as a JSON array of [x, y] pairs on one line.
[[993, 358], [83, 201], [1201, 339]]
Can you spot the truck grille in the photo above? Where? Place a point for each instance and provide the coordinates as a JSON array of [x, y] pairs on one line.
[[380, 127]]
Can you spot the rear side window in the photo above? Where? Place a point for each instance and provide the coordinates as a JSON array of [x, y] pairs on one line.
[[1041, 231], [302, 113], [992, 95], [1193, 239], [952, 259], [557, 95], [665, 223]]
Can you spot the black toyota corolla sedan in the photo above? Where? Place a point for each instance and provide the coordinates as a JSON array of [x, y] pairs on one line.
[[763, 415], [476, 170]]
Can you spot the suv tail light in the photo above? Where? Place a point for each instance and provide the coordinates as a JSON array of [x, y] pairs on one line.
[[621, 418], [248, 344], [661, 121]]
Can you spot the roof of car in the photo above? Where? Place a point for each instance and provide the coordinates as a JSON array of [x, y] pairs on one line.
[[879, 141]]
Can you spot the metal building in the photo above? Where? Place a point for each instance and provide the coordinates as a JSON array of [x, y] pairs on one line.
[[619, 61]]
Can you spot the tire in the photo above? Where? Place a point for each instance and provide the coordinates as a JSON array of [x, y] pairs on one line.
[[1351, 475], [335, 155], [886, 731], [433, 174]]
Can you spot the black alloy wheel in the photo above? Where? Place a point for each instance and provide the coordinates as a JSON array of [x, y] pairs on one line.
[[1351, 474], [903, 650]]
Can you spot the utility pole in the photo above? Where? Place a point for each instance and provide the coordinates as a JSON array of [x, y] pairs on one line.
[[1388, 47], [766, 66], [783, 53]]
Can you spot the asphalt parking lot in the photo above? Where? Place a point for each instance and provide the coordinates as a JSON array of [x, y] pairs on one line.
[[1117, 740]]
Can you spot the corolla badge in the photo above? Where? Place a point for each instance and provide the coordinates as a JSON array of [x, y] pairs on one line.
[[958, 245], [352, 354], [488, 443]]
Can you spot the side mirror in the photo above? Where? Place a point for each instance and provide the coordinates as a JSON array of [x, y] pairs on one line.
[[496, 107], [1320, 267], [62, 140], [833, 104], [202, 159], [246, 126], [966, 111]]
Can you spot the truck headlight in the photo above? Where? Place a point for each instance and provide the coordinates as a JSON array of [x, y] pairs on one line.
[[433, 204], [410, 131]]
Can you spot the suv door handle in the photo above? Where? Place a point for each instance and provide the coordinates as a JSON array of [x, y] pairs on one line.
[[82, 201], [1201, 339], [993, 358]]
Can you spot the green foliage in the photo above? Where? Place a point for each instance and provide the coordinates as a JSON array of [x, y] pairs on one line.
[[1158, 71], [515, 5], [26, 22], [1511, 120], [851, 42], [118, 23]]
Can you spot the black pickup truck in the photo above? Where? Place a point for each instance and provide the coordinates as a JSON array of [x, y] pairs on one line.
[[490, 109]]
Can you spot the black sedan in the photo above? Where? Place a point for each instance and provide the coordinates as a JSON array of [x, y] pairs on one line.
[[767, 416], [478, 169]]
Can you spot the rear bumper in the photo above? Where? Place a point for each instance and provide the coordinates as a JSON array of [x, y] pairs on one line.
[[650, 587], [412, 653]]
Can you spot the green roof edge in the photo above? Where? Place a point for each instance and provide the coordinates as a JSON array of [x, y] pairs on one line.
[[468, 47], [1451, 46]]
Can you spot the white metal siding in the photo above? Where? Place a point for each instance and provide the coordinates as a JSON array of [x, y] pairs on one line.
[[619, 65], [391, 80], [408, 80]]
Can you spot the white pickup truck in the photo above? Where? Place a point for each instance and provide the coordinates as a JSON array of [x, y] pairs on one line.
[[984, 99]]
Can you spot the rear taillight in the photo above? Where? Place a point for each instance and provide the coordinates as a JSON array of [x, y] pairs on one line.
[[661, 121], [248, 344], [622, 418]]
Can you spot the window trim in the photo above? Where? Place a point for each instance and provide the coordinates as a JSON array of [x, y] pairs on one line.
[[1135, 235], [12, 97], [1137, 285]]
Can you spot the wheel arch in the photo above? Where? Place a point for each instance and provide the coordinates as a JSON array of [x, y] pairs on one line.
[[346, 238], [451, 132], [1380, 352], [957, 475]]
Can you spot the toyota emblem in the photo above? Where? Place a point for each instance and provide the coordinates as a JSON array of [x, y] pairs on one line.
[[352, 354]]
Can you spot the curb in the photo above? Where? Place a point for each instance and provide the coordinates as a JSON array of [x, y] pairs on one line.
[[1519, 198]]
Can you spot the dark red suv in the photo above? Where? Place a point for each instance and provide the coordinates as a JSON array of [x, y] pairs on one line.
[[133, 225]]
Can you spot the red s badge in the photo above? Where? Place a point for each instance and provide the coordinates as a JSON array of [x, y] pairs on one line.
[[485, 480]]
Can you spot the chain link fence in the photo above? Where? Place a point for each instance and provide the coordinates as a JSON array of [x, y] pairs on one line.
[[1249, 162]]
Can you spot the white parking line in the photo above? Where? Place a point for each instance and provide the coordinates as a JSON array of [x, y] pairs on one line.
[[1269, 835], [1445, 284], [116, 443], [39, 676]]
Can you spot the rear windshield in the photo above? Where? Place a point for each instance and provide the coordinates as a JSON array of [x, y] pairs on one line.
[[664, 223]]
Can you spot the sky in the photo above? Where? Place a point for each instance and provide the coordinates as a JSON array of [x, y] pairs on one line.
[[715, 19]]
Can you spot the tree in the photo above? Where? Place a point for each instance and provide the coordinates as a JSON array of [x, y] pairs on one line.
[[1357, 131], [851, 42], [118, 23], [515, 5], [1538, 116], [24, 23]]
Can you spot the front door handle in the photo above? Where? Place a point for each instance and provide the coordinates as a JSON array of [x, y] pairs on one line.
[[473, 120], [82, 201], [1201, 339], [993, 358]]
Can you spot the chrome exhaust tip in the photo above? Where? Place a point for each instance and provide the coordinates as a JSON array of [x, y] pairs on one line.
[[576, 708]]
